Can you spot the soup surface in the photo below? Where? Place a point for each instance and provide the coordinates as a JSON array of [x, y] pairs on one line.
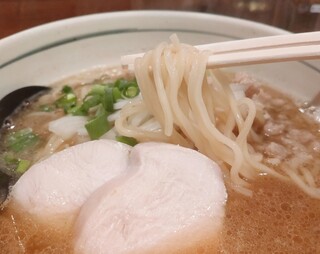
[[278, 218]]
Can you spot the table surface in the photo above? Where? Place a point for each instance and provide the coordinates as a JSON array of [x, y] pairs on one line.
[[292, 15]]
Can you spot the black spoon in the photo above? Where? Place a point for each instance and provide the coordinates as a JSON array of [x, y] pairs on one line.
[[8, 105]]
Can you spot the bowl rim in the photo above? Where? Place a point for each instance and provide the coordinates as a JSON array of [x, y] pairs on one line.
[[146, 13], [35, 39], [47, 38]]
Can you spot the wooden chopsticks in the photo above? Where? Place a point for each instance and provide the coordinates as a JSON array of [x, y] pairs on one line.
[[279, 48], [270, 55]]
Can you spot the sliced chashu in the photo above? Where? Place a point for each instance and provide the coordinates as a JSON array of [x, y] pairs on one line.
[[171, 201], [60, 184]]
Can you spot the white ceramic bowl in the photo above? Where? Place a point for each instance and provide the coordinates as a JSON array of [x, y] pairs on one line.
[[44, 54]]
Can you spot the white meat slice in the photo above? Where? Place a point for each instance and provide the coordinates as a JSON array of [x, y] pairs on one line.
[[61, 183], [171, 201]]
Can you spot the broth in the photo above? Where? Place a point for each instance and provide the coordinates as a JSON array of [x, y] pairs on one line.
[[22, 234], [278, 218]]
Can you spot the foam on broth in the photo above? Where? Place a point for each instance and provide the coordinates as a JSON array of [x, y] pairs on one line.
[[278, 218]]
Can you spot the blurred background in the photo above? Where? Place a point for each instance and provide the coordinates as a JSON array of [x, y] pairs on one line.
[[292, 15]]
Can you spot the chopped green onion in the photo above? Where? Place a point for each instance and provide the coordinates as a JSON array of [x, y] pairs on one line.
[[120, 83], [100, 94], [128, 89], [116, 94], [97, 89], [98, 126], [66, 89], [22, 139], [77, 111], [123, 84], [67, 101], [19, 165], [100, 111], [23, 165], [127, 140], [131, 91], [107, 101], [90, 102]]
